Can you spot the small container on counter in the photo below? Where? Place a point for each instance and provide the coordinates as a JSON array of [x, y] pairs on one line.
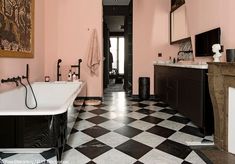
[[47, 78]]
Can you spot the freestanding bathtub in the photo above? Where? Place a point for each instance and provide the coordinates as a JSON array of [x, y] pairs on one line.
[[43, 127]]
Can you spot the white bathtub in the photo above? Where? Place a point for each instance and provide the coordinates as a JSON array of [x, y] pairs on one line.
[[48, 125], [53, 98]]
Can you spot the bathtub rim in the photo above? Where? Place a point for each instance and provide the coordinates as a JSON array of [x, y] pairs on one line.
[[50, 110]]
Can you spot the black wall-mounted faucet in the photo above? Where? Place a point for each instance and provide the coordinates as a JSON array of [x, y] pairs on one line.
[[58, 69], [178, 59], [13, 79]]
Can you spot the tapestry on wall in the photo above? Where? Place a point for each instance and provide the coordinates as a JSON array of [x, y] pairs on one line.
[[16, 28]]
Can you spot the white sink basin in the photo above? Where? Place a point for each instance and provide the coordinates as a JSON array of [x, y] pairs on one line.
[[185, 65]]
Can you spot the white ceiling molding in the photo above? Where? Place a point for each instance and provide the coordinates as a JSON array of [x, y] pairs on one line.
[[116, 2]]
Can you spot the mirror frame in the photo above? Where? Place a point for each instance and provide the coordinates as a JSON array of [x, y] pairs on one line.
[[172, 27]]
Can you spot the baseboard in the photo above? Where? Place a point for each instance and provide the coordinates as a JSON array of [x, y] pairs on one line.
[[151, 97], [90, 98]]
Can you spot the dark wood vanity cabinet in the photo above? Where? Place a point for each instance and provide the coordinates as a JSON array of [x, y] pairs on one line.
[[186, 90]]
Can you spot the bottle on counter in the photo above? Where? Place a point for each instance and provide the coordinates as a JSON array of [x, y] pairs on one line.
[[70, 75], [74, 77], [170, 60]]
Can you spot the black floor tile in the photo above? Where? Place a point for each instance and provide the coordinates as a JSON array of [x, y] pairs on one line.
[[151, 119], [128, 131], [174, 148], [95, 131], [203, 157], [91, 162], [138, 162], [145, 111], [161, 131], [161, 105], [185, 162], [93, 149], [97, 119], [101, 105], [125, 120], [99, 111], [206, 141], [6, 155], [82, 111], [141, 105], [78, 119], [135, 99], [181, 120], [192, 130], [134, 149], [73, 131], [169, 111], [67, 147], [48, 154], [45, 162]]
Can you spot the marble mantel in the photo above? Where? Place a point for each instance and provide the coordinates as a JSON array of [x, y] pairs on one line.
[[221, 76]]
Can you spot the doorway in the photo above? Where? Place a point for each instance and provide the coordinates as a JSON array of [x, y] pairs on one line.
[[117, 28]]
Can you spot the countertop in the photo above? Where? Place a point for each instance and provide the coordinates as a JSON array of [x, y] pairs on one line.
[[183, 65]]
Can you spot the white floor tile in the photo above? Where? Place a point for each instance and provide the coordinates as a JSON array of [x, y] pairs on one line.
[[142, 125], [134, 108], [78, 139], [53, 160], [112, 139], [81, 125], [89, 108], [136, 115], [147, 102], [86, 115], [183, 138], [157, 156], [161, 115], [191, 124], [74, 157], [114, 157], [111, 125], [194, 158], [171, 125], [149, 139], [210, 138], [154, 108], [110, 115]]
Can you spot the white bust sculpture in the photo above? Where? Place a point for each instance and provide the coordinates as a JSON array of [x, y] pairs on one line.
[[216, 48]]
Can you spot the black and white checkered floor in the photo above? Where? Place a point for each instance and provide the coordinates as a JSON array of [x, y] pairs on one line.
[[124, 131]]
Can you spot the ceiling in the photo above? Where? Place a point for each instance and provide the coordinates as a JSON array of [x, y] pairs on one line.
[[114, 23], [116, 2]]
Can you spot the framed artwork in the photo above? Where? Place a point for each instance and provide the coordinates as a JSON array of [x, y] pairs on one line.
[[17, 28]]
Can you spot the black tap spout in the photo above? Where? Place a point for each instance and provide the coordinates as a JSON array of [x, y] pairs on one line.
[[58, 69]]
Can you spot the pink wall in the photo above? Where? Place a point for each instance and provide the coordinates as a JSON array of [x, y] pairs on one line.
[[150, 36], [67, 36], [10, 67], [205, 15]]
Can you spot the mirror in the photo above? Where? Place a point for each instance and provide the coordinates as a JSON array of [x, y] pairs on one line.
[[178, 25]]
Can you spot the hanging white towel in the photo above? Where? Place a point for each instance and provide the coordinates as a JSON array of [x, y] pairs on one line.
[[93, 61]]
